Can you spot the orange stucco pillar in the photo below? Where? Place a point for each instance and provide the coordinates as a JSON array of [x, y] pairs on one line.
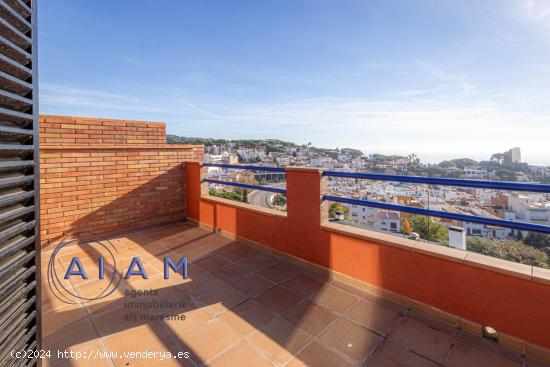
[[305, 238], [193, 189]]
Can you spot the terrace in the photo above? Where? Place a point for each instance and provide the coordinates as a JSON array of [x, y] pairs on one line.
[[265, 287], [245, 306]]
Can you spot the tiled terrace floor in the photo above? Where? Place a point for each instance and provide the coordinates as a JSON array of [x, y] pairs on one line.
[[242, 308]]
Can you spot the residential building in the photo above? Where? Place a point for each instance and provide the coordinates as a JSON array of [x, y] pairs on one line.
[[512, 156]]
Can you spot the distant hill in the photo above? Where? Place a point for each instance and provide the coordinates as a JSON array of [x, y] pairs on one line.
[[270, 145]]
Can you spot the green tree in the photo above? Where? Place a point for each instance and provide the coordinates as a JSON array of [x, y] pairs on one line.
[[506, 175], [509, 250], [537, 240], [498, 157], [230, 195], [463, 162], [435, 171], [338, 208], [428, 230], [489, 165], [279, 200]]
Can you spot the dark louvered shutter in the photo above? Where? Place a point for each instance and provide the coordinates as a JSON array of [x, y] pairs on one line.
[[19, 263]]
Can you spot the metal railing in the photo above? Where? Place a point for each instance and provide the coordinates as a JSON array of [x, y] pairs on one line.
[[243, 185], [508, 186], [514, 186]]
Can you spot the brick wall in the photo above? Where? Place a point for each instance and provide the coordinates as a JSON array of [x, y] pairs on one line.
[[104, 175], [64, 130]]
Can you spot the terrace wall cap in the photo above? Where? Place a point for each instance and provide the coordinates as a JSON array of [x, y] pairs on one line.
[[116, 146], [469, 258], [64, 118], [541, 275], [304, 169], [500, 266], [246, 206]]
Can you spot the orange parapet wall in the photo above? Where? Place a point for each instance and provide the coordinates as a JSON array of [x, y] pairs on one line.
[[471, 288], [104, 175]]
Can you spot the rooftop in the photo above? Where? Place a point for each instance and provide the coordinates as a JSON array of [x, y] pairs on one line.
[[265, 287], [245, 306]]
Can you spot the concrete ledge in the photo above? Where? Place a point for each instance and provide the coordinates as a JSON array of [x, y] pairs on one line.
[[245, 206], [500, 266], [541, 275]]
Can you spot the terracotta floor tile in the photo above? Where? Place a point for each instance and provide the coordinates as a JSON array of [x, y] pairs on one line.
[[210, 340], [318, 355], [202, 284], [248, 317], [60, 318], [391, 355], [52, 303], [242, 355], [176, 348], [463, 354], [279, 273], [372, 315], [230, 273], [194, 318], [257, 262], [260, 321], [350, 289], [155, 248], [211, 263], [123, 319], [531, 362], [304, 285], [334, 298], [90, 348], [100, 289], [224, 299], [352, 340], [139, 339], [280, 339], [278, 299], [196, 254], [311, 317], [252, 285], [422, 339], [77, 336], [488, 345], [237, 252]]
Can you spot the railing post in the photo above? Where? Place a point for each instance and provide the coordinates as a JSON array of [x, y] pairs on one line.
[[194, 188], [204, 185], [305, 239], [325, 204]]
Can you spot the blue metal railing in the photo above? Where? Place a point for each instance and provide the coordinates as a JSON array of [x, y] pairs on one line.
[[513, 186], [516, 186], [246, 186], [442, 214], [248, 167]]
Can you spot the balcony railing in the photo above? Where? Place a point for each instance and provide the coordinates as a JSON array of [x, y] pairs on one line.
[[243, 185], [505, 186], [461, 287], [513, 186]]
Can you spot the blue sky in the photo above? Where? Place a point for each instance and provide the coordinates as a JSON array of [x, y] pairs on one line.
[[438, 78]]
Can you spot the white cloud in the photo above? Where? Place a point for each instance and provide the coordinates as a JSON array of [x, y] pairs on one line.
[[537, 12], [448, 122], [432, 129]]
